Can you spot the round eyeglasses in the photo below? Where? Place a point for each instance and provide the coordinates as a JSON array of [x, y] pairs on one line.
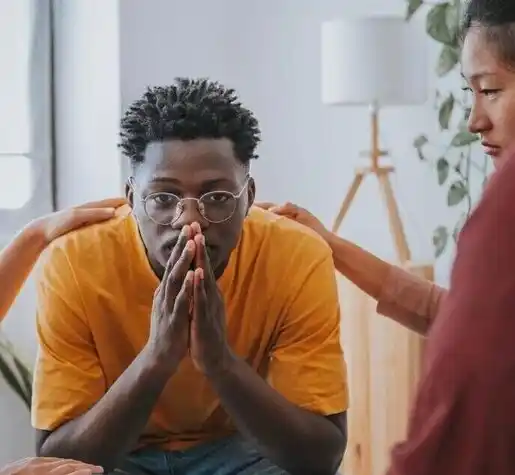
[[215, 206]]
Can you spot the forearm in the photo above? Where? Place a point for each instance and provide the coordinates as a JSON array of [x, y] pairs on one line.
[[296, 440], [16, 262], [409, 300], [361, 267], [112, 427]]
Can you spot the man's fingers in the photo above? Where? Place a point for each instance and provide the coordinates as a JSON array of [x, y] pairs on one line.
[[178, 249], [164, 288], [174, 257], [195, 227], [203, 261], [185, 295], [199, 295], [200, 256], [177, 275]]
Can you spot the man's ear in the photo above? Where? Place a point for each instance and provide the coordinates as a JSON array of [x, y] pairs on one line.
[[251, 194], [129, 193]]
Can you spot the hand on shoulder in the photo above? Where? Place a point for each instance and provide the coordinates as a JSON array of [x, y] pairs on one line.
[[297, 213], [53, 225], [49, 466]]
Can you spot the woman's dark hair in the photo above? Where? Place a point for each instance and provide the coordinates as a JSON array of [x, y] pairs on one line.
[[496, 18]]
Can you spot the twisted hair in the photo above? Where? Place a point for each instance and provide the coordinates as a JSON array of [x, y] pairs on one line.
[[187, 110], [496, 18]]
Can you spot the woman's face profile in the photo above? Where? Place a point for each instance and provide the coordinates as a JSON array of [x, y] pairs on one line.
[[492, 86]]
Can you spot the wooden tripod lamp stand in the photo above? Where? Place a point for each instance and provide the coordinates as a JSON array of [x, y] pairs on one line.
[[376, 62]]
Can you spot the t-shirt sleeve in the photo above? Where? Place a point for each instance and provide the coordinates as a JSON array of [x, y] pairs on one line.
[[307, 365], [68, 378]]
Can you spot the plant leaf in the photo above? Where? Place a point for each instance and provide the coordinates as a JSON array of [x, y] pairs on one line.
[[11, 379], [420, 141], [442, 170], [413, 6], [25, 376], [448, 59], [457, 193], [463, 138], [458, 166], [452, 19], [436, 24], [440, 238], [445, 112]]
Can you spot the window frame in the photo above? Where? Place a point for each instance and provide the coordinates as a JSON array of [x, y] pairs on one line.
[[41, 151]]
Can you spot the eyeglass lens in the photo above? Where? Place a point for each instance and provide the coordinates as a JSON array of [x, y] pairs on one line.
[[215, 207]]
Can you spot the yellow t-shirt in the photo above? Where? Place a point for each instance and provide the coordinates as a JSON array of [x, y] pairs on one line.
[[94, 303]]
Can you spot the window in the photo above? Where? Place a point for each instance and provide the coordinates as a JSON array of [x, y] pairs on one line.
[[25, 111]]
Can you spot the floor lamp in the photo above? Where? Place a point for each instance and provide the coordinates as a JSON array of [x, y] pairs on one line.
[[375, 62]]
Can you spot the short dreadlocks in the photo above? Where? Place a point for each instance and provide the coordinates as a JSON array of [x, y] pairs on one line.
[[187, 110]]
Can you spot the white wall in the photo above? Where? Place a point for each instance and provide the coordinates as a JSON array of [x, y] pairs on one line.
[[87, 107], [108, 51]]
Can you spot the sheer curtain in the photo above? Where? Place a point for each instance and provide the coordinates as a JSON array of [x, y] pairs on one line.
[[25, 112]]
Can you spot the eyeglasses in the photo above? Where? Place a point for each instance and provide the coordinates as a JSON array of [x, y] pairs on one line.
[[165, 208]]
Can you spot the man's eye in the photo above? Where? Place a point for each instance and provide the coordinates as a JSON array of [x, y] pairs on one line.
[[218, 198], [164, 199]]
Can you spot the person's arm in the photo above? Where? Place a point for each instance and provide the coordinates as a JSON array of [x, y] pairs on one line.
[[18, 258], [406, 298], [76, 414], [298, 420], [463, 420], [403, 297]]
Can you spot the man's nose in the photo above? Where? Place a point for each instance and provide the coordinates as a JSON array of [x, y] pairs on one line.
[[188, 212]]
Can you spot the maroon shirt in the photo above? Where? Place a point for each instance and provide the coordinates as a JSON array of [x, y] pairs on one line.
[[463, 419]]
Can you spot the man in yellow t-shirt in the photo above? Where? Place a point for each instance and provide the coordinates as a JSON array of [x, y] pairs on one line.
[[192, 333]]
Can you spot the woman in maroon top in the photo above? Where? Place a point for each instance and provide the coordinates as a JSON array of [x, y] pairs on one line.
[[463, 419]]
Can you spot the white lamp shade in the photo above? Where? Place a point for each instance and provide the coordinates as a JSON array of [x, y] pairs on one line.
[[377, 60]]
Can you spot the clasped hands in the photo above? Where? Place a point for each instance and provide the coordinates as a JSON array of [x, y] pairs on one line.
[[188, 313]]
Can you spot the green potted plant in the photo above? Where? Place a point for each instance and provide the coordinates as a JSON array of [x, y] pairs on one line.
[[450, 153], [16, 374]]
